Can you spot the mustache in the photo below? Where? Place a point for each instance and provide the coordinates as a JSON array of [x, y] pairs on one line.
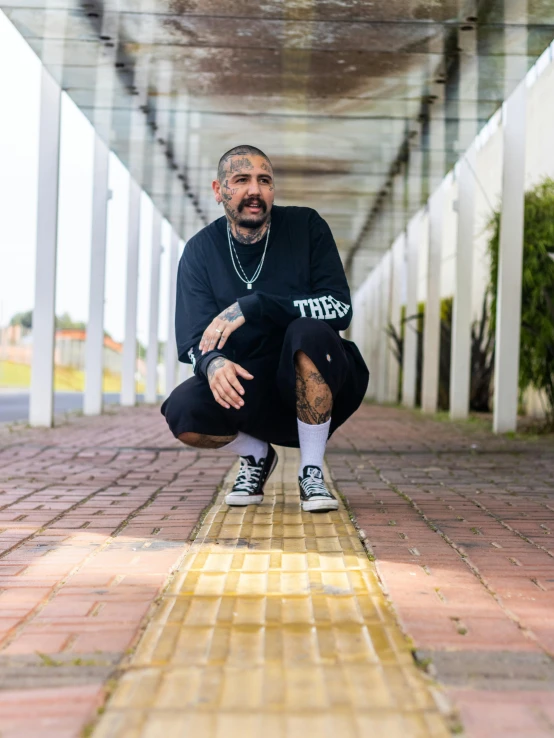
[[257, 201]]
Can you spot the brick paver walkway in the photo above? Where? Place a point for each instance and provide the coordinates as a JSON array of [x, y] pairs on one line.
[[274, 620], [462, 527], [274, 626], [93, 518]]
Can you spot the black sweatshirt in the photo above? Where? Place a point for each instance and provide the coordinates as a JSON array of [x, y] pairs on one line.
[[302, 275]]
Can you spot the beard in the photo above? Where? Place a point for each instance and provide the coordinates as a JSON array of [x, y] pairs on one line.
[[252, 221]]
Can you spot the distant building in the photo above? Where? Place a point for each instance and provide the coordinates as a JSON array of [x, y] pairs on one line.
[[16, 345]]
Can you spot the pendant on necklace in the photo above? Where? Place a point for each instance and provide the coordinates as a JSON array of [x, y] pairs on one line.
[[249, 285]]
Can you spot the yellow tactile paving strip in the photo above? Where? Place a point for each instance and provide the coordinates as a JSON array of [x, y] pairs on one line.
[[274, 626]]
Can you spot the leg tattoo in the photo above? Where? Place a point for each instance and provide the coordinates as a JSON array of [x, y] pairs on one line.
[[199, 440], [314, 400]]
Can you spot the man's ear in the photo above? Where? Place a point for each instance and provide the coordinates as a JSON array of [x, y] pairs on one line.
[[216, 187]]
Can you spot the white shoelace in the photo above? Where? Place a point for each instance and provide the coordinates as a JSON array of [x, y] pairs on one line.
[[248, 477], [313, 484]]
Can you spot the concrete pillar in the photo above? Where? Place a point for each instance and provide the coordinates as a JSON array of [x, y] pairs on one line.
[[369, 356], [128, 385], [415, 175], [375, 326], [409, 363], [102, 118], [363, 331], [151, 394], [369, 353], [94, 345], [384, 307], [460, 362], [363, 320], [431, 339], [356, 323], [508, 298], [431, 328], [170, 346], [41, 401], [396, 299], [516, 18], [460, 359], [367, 317], [185, 371]]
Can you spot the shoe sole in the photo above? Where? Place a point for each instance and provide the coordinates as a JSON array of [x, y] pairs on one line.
[[236, 501], [320, 505]]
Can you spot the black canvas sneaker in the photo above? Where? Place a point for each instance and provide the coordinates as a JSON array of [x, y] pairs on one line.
[[248, 488], [314, 494]]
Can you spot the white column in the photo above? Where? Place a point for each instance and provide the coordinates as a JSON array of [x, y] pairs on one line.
[[460, 357], [185, 371], [384, 306], [431, 338], [128, 385], [409, 360], [516, 18], [41, 399], [151, 394], [369, 348], [431, 327], [359, 332], [94, 346], [102, 122], [397, 281], [170, 346], [460, 361], [508, 298]]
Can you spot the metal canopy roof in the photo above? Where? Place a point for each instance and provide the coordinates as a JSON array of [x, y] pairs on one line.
[[337, 92]]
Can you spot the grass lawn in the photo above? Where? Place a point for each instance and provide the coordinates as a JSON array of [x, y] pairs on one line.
[[66, 379]]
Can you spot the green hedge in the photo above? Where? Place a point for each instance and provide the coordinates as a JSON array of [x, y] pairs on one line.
[[536, 359]]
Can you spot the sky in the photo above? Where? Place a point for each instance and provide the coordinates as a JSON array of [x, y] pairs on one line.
[[19, 128]]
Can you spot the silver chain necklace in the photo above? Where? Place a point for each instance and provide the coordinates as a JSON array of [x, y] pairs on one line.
[[234, 255]]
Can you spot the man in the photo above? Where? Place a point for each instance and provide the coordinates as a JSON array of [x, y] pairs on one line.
[[261, 296]]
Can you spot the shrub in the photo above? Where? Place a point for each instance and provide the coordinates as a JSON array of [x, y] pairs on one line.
[[482, 354], [536, 360]]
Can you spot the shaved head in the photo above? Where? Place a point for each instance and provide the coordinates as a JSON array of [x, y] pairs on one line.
[[245, 187], [243, 150]]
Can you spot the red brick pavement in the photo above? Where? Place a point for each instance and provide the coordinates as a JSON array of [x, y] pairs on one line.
[[462, 527], [94, 515]]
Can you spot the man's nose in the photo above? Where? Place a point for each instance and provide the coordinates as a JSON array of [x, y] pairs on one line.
[[254, 188]]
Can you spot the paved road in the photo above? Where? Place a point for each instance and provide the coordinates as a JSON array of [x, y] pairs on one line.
[[14, 406]]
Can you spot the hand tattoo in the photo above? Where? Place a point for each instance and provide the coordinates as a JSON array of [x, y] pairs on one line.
[[231, 313], [214, 365]]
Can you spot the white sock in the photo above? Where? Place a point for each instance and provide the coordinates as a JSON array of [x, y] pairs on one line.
[[245, 445], [313, 439]]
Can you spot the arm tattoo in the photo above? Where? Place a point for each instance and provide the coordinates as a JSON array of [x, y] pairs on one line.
[[231, 313], [214, 365]]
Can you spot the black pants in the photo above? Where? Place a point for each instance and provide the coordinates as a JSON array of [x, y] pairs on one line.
[[269, 410]]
